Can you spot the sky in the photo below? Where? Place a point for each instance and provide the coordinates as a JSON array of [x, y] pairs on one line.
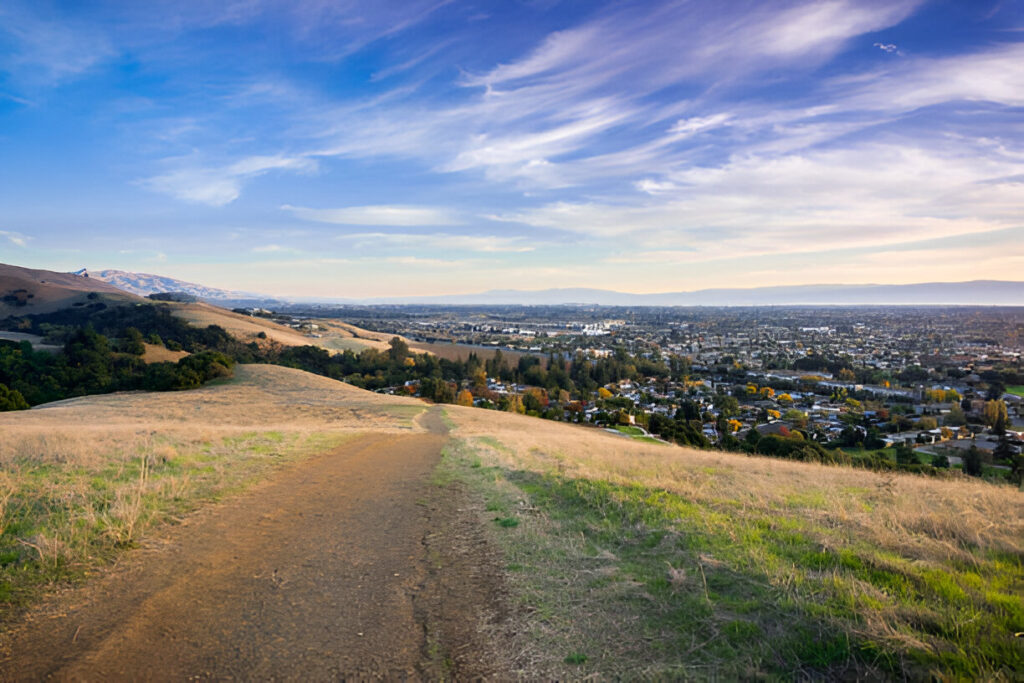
[[358, 148]]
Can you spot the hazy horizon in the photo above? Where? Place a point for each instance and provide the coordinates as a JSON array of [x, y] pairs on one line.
[[364, 150]]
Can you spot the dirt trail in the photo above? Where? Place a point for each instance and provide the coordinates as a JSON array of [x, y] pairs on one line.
[[350, 564]]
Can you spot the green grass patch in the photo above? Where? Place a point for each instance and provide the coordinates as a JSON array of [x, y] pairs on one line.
[[1016, 390], [664, 586]]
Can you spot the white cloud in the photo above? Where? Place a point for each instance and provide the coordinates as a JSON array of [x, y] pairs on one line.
[[697, 124], [867, 196], [380, 214], [223, 185], [886, 47], [443, 241], [48, 51], [15, 238], [992, 75]]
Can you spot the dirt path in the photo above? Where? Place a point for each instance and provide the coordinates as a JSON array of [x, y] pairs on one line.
[[350, 564]]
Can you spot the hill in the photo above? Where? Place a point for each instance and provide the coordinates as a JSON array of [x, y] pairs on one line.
[[620, 559], [25, 291], [144, 284]]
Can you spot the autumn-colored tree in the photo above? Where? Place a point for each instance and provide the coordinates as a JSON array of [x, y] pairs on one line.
[[774, 414], [767, 392], [465, 398], [514, 404], [751, 388], [479, 378], [734, 425], [785, 398], [603, 393], [995, 413], [540, 394], [846, 375]]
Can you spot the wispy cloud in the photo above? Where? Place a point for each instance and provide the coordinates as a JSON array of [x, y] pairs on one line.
[[221, 185], [380, 214], [48, 49], [15, 238], [442, 242]]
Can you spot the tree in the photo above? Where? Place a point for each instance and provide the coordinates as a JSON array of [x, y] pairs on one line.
[[955, 417], [972, 461], [1003, 452], [398, 350], [465, 398], [11, 399], [995, 415], [727, 406]]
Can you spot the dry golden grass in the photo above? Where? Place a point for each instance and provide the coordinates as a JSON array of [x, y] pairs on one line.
[[928, 519], [837, 571], [243, 327], [52, 291], [81, 477], [156, 353], [334, 335]]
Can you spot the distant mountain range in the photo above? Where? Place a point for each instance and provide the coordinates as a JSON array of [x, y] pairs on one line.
[[975, 292], [144, 284]]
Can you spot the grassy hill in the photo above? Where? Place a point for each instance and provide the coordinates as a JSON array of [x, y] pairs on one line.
[[622, 558], [24, 291], [628, 559], [83, 478]]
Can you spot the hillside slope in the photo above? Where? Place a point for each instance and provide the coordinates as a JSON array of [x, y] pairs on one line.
[[25, 291], [144, 284], [635, 560], [621, 559]]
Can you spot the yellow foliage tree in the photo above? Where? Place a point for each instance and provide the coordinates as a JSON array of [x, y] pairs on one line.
[[751, 388], [767, 392], [734, 425], [465, 398], [515, 404], [603, 393], [995, 412], [774, 414], [785, 398]]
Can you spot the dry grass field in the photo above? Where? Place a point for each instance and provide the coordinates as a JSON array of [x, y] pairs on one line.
[[83, 477], [46, 291], [633, 558], [333, 335]]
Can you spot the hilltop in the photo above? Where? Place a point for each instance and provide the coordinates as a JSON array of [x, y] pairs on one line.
[[25, 291], [620, 558]]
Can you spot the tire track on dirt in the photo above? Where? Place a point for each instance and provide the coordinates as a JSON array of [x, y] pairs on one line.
[[323, 572]]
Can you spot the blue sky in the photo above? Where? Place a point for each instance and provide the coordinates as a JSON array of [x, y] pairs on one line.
[[373, 148]]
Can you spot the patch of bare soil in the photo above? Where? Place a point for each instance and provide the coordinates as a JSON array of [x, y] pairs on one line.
[[348, 565]]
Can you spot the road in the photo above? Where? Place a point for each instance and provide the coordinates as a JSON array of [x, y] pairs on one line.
[[347, 565]]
